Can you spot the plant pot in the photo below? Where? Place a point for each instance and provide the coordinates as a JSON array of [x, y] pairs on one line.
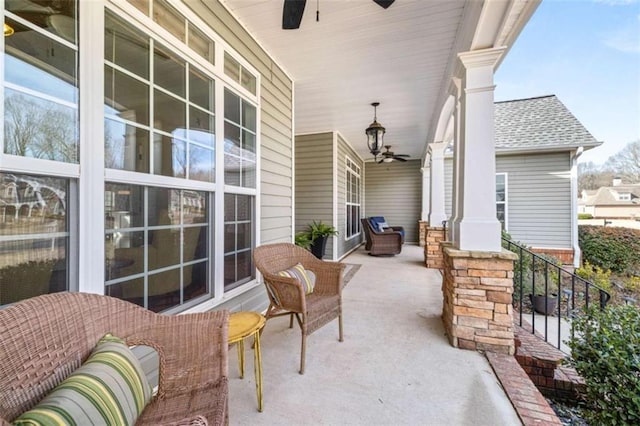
[[318, 247], [544, 305]]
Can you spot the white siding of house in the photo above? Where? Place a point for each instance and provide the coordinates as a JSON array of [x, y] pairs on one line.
[[538, 197], [344, 151], [394, 190]]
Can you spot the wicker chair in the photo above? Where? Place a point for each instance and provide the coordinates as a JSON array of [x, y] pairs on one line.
[[381, 243], [47, 337], [286, 295]]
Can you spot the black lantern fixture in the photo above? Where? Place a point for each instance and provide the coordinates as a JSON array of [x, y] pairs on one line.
[[375, 133]]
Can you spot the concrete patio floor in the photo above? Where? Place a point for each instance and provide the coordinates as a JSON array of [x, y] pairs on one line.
[[395, 366]]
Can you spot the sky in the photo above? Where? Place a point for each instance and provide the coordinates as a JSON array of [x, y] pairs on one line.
[[587, 53]]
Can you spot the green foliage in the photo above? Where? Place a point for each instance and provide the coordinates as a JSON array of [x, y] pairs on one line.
[[596, 275], [319, 229], [303, 239], [611, 248], [605, 350], [585, 216], [632, 284]]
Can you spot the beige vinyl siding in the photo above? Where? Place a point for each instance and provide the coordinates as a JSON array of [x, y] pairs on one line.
[[314, 182], [394, 190], [276, 142], [538, 197], [276, 94], [344, 151]]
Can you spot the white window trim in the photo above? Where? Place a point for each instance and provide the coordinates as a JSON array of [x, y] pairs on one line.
[[357, 173], [506, 199]]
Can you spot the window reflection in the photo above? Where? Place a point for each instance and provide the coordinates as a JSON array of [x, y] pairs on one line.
[[41, 82], [34, 247], [156, 244], [238, 239]]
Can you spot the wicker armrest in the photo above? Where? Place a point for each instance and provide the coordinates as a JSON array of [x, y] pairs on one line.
[[328, 277], [192, 349], [289, 291]]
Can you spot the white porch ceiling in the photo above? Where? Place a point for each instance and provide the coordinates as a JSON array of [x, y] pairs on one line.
[[359, 53]]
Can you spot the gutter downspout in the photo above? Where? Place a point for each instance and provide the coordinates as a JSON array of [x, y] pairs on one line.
[[577, 253]]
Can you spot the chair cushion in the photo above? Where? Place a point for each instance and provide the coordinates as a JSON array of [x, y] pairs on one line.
[[307, 278], [109, 388], [378, 223]]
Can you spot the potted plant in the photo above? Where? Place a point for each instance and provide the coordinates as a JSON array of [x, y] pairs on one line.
[[319, 233], [303, 239]]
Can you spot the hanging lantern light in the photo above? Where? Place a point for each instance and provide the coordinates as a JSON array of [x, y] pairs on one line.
[[375, 133]]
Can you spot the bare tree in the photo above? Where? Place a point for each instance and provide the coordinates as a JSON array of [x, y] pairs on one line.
[[626, 163], [591, 176]]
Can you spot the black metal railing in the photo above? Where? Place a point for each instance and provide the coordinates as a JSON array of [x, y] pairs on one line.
[[545, 291]]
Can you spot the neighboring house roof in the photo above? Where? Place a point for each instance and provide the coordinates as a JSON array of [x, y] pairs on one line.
[[539, 123], [619, 195]]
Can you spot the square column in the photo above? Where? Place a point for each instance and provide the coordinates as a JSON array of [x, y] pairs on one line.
[[476, 226], [478, 291]]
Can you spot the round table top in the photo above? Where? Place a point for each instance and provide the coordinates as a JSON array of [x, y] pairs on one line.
[[243, 324]]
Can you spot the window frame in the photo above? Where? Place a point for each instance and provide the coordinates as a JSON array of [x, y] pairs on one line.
[[355, 172], [506, 199]]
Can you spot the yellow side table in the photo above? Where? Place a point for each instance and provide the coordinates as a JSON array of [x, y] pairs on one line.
[[241, 326]]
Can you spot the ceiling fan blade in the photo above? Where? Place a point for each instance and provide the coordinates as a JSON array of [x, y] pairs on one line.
[[384, 3], [292, 12], [403, 155], [395, 157], [380, 161]]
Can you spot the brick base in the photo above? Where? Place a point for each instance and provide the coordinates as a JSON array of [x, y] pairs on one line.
[[542, 362], [563, 255], [432, 249], [477, 289]]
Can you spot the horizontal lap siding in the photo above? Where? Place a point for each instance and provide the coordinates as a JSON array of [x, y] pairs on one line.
[[394, 190], [276, 96], [344, 151], [314, 182], [538, 198]]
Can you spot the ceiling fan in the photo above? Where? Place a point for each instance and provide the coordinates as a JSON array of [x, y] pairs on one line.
[[293, 10], [388, 156]]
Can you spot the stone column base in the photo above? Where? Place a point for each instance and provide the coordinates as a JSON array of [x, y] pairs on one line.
[[432, 249], [478, 288], [422, 230]]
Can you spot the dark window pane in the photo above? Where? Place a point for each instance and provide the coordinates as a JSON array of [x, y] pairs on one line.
[[229, 238], [124, 254], [201, 89], [126, 97], [125, 46], [169, 70], [245, 266], [248, 116], [201, 127], [170, 113], [231, 106], [244, 236], [164, 290], [245, 207]]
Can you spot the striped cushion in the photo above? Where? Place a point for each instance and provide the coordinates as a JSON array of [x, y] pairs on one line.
[[110, 388], [306, 278]]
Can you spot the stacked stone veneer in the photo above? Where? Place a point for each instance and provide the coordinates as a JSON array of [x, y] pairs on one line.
[[422, 232], [432, 251], [478, 289]]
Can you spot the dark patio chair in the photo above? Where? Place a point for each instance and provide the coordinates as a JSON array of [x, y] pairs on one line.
[[287, 295], [380, 243]]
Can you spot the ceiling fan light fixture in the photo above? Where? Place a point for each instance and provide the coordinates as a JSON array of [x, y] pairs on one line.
[[387, 160], [375, 133]]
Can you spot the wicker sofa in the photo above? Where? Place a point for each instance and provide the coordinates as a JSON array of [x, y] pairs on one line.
[[378, 243], [45, 338]]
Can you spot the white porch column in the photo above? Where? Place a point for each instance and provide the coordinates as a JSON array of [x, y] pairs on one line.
[[454, 220], [426, 191], [478, 228], [436, 196]]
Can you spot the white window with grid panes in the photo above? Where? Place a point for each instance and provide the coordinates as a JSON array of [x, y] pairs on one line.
[[352, 225], [501, 199], [147, 129]]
